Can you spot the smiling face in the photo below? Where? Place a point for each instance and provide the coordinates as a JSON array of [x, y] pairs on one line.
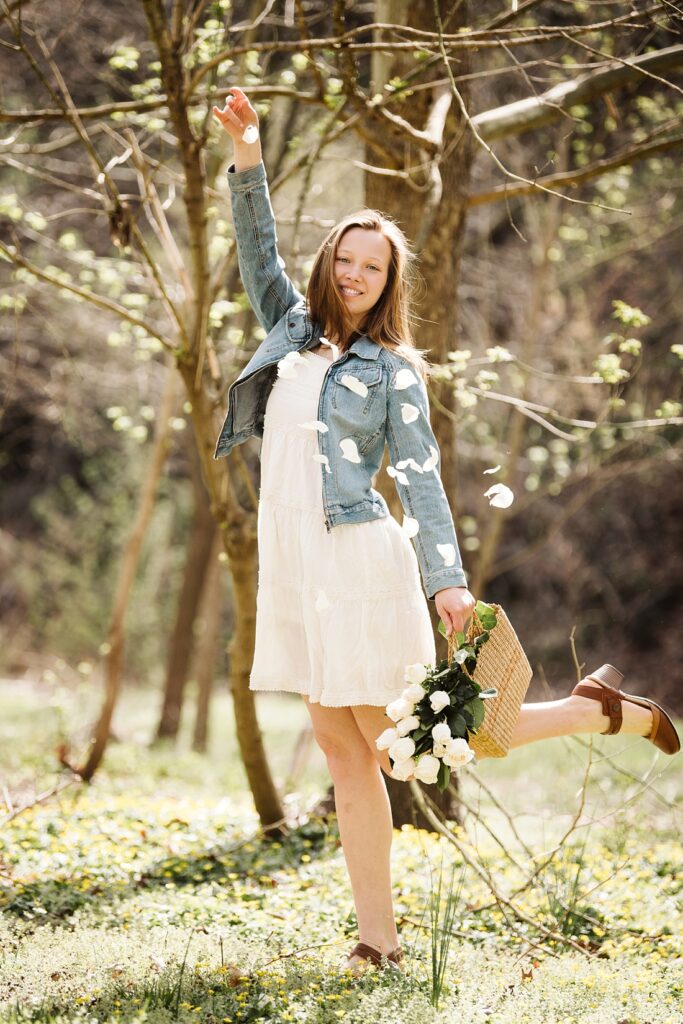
[[361, 268]]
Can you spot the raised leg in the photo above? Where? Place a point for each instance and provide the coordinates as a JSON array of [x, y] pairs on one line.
[[573, 715]]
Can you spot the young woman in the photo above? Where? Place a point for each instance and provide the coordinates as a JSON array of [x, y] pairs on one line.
[[340, 605]]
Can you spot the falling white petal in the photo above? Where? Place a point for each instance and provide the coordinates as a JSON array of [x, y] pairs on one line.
[[433, 459], [286, 367], [410, 526], [404, 379], [324, 459], [409, 462], [447, 552], [349, 449], [330, 344], [315, 425], [494, 469], [499, 496], [355, 385], [401, 477], [321, 601], [409, 412]]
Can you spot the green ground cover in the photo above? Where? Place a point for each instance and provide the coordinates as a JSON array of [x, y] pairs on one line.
[[148, 896]]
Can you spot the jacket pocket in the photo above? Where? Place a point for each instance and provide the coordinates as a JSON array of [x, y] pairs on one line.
[[358, 400]]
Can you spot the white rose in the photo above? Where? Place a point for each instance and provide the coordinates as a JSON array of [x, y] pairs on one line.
[[458, 753], [388, 737], [427, 769], [439, 700], [403, 771], [413, 693], [439, 749], [399, 709], [415, 674], [407, 725], [441, 733], [402, 749]]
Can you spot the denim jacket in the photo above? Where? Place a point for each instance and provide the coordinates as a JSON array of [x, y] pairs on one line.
[[386, 402]]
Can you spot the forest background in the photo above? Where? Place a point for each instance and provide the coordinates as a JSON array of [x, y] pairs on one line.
[[531, 153]]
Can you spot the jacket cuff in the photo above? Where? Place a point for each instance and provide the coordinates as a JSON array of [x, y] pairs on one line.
[[441, 580], [242, 181]]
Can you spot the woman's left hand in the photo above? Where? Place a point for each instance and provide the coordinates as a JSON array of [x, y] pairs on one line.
[[455, 606]]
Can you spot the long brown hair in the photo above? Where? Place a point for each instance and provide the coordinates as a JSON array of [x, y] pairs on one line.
[[388, 322]]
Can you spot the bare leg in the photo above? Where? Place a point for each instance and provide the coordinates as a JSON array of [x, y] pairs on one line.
[[573, 715], [365, 824]]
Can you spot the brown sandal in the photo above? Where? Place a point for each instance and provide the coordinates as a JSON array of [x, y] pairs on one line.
[[374, 957], [663, 733]]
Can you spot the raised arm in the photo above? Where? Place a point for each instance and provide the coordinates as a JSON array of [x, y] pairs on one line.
[[270, 291]]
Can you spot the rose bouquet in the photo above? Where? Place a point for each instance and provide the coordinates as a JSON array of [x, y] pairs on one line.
[[438, 711]]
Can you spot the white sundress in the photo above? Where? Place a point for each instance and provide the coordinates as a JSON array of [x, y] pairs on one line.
[[338, 615]]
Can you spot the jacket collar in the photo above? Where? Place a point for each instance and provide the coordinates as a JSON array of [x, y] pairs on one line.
[[301, 329]]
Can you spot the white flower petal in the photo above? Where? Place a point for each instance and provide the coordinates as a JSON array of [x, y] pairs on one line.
[[447, 552], [407, 725], [315, 425], [355, 385], [499, 496], [324, 459], [494, 469], [402, 749], [427, 769], [403, 771], [409, 412], [330, 344], [439, 700], [410, 526], [432, 461], [287, 365], [404, 379], [399, 709], [401, 477], [409, 462], [321, 601], [385, 739], [349, 449]]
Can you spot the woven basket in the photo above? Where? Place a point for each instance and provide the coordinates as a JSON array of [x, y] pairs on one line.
[[501, 663]]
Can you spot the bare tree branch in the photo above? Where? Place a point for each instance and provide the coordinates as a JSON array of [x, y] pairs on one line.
[[577, 176], [535, 111]]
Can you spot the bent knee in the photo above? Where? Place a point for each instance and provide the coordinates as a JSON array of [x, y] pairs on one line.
[[345, 758]]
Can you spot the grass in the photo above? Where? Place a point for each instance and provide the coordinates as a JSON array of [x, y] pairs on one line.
[[146, 897]]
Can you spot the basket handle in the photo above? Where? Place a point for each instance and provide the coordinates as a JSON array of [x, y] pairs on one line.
[[474, 629]]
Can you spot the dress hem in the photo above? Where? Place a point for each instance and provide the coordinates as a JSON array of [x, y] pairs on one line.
[[349, 702]]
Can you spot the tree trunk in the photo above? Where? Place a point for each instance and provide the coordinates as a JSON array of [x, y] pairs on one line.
[[238, 531], [435, 223], [201, 542], [205, 660], [127, 572]]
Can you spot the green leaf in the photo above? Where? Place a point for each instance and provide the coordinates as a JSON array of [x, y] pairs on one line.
[[443, 777], [477, 707], [490, 692], [457, 723], [485, 614], [441, 627]]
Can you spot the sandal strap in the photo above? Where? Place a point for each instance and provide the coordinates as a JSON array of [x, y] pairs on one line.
[[367, 953], [374, 956], [611, 704]]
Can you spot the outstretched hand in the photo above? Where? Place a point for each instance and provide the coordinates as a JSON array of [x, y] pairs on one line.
[[237, 115], [455, 606]]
